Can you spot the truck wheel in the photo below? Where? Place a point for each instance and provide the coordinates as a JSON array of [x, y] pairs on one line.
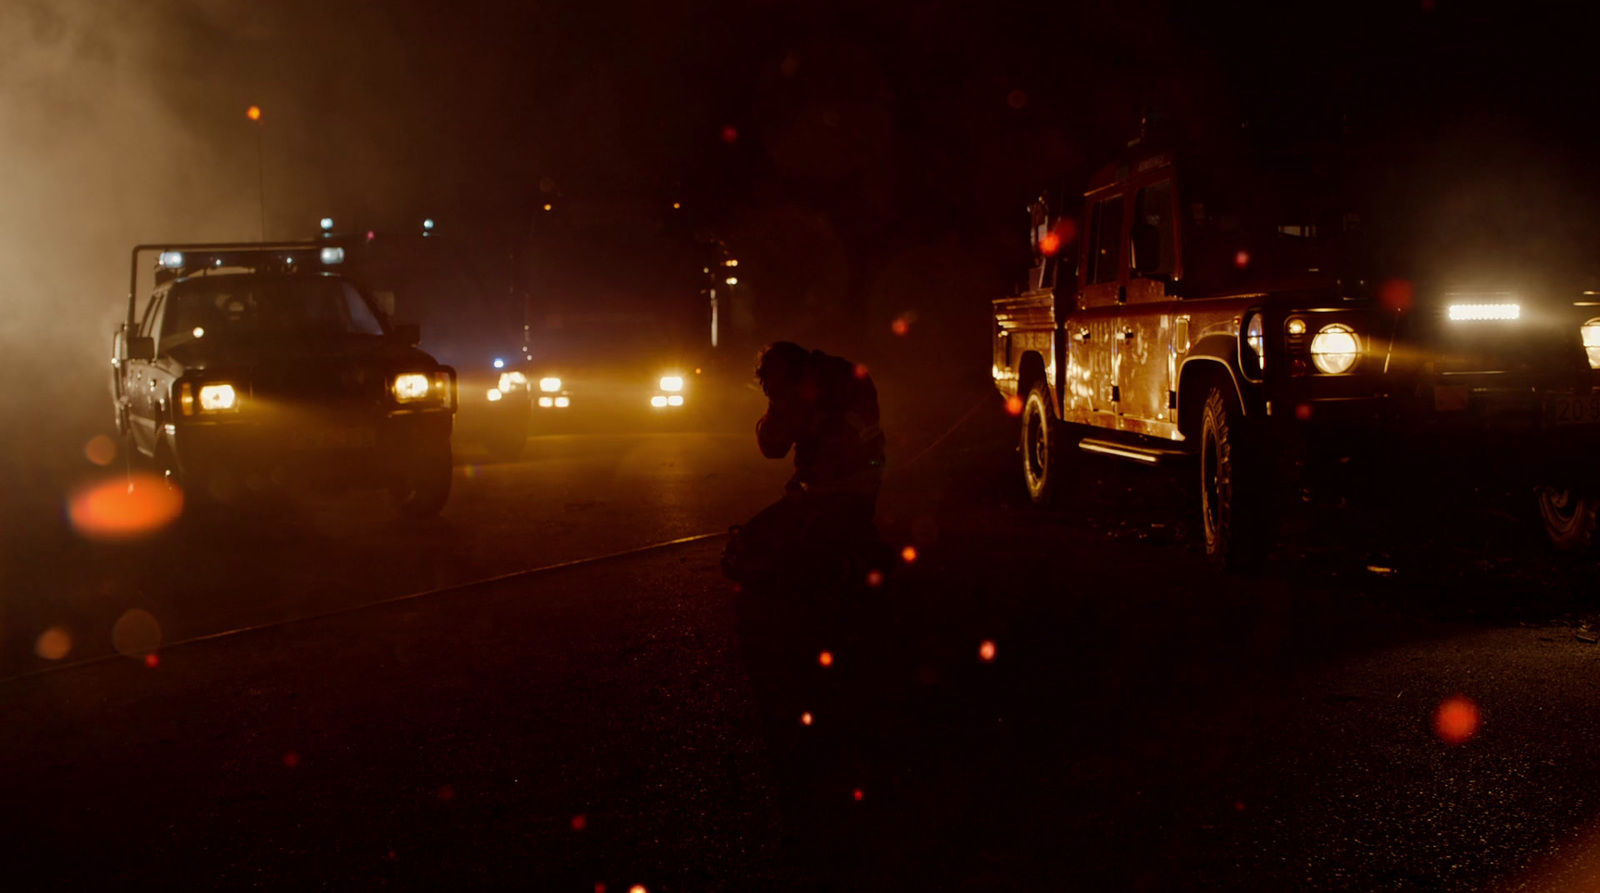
[[1042, 464], [423, 482], [1232, 482], [1569, 518]]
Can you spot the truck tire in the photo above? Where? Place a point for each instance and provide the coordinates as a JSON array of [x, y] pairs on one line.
[[1569, 518], [1232, 485], [1042, 463], [422, 484]]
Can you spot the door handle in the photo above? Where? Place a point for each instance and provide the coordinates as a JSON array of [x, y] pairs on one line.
[[152, 384], [1083, 334]]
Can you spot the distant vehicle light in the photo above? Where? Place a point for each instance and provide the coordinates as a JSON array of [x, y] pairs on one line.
[[1297, 327], [171, 260], [1484, 312], [218, 398], [658, 401], [675, 400], [199, 332], [672, 383], [563, 402], [499, 363], [732, 280], [731, 262], [327, 224], [546, 402], [333, 255], [1335, 349], [511, 381], [550, 385], [411, 387], [1591, 342], [495, 396], [548, 206], [427, 223]]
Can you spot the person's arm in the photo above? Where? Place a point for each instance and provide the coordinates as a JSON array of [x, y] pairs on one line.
[[778, 430]]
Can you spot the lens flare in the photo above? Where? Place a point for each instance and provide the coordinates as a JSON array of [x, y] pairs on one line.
[[908, 554], [152, 660], [291, 760], [805, 719], [101, 450], [1050, 244], [858, 794], [862, 371], [124, 508], [136, 633], [1241, 259], [986, 651], [825, 658], [53, 644], [1014, 405], [874, 578], [1456, 720], [1016, 99], [1396, 294], [253, 113], [580, 822]]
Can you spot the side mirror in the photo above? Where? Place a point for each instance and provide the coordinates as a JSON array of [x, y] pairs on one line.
[[1146, 248], [141, 348], [408, 333]]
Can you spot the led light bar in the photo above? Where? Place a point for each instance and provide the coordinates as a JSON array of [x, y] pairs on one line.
[[171, 260], [333, 255], [1484, 312]]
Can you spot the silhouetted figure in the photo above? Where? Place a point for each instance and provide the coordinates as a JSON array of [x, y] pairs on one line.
[[825, 409]]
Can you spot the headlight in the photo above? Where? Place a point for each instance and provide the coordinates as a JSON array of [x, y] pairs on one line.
[[218, 398], [563, 402], [1335, 349], [1591, 342], [672, 383], [511, 381], [495, 395], [1477, 312], [1255, 336], [658, 401], [546, 402], [675, 400], [550, 385], [411, 387]]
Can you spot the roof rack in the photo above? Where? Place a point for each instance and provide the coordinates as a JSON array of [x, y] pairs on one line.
[[166, 273]]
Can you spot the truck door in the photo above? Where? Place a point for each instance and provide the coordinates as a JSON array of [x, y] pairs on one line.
[[1144, 331], [142, 384], [1090, 383]]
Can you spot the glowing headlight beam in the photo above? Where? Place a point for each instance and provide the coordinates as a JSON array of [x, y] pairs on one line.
[[563, 402], [672, 383], [494, 395], [218, 397], [675, 400], [411, 387], [1484, 312], [658, 401], [1335, 349], [550, 385]]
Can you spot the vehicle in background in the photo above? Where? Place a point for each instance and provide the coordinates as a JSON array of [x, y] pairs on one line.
[[256, 367]]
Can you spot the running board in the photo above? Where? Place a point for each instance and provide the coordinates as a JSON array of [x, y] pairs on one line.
[[1146, 455]]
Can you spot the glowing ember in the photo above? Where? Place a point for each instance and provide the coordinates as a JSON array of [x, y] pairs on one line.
[[900, 326], [53, 644], [253, 113], [136, 633], [858, 794], [1303, 411], [1050, 244], [1456, 721], [580, 822], [805, 719], [152, 660], [825, 658], [119, 509], [1396, 294], [861, 370], [291, 759], [1242, 259], [1014, 404], [637, 888], [986, 650], [874, 578], [101, 450], [908, 554]]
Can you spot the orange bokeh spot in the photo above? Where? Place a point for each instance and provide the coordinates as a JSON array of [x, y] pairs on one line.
[[862, 371], [874, 578], [1050, 244], [986, 650], [53, 644], [580, 822], [858, 794], [908, 554], [447, 792], [119, 509], [152, 660], [291, 759], [253, 113], [805, 719], [101, 450], [136, 633], [599, 887], [1014, 404], [730, 134], [1302, 411], [825, 658], [637, 888], [1241, 259], [900, 326], [1456, 720], [1396, 294]]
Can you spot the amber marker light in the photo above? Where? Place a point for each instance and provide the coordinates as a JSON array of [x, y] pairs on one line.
[[253, 113]]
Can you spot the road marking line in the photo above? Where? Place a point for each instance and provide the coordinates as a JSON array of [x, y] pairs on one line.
[[442, 590]]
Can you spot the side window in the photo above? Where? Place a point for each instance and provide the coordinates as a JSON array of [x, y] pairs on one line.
[[362, 318], [152, 316], [1154, 231], [1105, 240]]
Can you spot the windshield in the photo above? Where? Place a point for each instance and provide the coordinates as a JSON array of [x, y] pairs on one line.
[[262, 305]]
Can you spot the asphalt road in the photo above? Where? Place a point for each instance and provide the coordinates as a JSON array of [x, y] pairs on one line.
[[1041, 700]]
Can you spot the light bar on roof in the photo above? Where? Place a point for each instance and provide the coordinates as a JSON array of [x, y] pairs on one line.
[[171, 260], [1484, 312], [333, 254]]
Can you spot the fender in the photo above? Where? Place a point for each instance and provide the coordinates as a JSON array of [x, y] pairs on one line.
[[1220, 351]]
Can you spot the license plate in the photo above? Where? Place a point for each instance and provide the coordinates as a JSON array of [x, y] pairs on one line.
[[332, 439], [1572, 410]]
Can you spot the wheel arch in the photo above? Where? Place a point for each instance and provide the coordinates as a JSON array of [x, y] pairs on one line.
[[1194, 381], [1030, 369]]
